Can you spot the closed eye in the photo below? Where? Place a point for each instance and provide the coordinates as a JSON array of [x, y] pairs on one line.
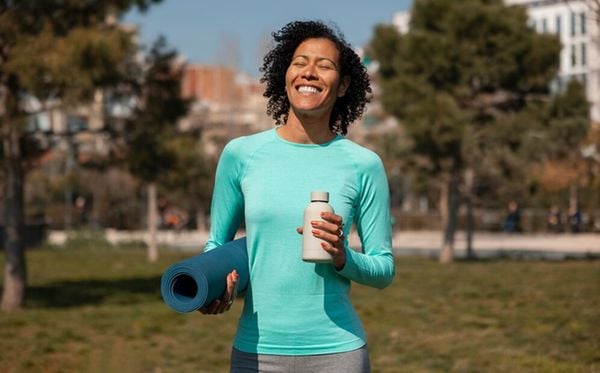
[[325, 67]]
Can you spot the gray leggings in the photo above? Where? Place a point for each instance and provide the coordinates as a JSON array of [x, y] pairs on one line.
[[356, 361]]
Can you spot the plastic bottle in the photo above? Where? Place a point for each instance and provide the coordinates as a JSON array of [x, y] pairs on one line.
[[312, 251]]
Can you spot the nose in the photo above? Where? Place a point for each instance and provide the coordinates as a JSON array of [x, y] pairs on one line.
[[309, 72]]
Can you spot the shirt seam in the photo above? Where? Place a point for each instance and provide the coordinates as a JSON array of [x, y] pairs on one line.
[[357, 180], [250, 159]]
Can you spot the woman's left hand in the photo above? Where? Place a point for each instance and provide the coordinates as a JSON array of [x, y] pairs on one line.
[[332, 232]]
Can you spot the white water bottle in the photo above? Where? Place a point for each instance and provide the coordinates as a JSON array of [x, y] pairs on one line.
[[312, 251]]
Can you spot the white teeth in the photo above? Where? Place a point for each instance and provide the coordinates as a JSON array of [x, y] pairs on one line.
[[307, 89]]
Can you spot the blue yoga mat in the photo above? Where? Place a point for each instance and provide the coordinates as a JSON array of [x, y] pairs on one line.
[[191, 284]]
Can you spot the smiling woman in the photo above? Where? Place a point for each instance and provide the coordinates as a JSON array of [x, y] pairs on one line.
[[288, 56], [313, 82], [298, 314]]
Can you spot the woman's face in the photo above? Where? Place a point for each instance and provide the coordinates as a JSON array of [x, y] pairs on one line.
[[312, 80]]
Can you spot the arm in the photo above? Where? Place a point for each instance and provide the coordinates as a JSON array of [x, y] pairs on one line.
[[227, 206], [226, 214], [375, 265]]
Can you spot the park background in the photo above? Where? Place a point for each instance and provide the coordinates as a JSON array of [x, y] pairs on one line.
[[485, 114]]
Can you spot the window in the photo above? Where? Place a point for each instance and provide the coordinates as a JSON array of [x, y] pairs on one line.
[[573, 55], [573, 25], [544, 25], [582, 20], [583, 54], [558, 25], [532, 24], [76, 124]]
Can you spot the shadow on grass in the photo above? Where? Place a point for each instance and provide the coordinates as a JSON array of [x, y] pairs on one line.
[[65, 294]]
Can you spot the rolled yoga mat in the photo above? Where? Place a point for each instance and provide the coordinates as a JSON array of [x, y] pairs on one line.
[[191, 284]]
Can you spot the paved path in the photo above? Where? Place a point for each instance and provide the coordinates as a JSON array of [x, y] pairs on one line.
[[420, 243], [490, 244]]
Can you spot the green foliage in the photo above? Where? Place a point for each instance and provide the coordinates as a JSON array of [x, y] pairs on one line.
[[472, 46], [73, 66], [470, 84], [64, 50], [568, 121], [159, 106], [385, 46], [189, 181]]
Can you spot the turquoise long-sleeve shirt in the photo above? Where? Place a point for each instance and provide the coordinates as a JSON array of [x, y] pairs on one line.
[[294, 307]]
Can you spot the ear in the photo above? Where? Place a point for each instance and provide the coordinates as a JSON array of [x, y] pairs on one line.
[[343, 87]]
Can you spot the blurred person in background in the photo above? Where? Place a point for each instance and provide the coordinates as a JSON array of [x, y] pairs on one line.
[[298, 315], [554, 220], [574, 218], [512, 222]]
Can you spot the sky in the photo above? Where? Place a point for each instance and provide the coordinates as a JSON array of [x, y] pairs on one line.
[[237, 32]]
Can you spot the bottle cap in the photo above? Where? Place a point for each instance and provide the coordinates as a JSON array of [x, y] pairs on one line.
[[319, 196]]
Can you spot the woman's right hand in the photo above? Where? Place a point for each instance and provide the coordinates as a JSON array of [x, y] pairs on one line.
[[224, 303]]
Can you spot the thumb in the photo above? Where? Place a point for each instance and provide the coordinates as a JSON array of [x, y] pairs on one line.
[[299, 230]]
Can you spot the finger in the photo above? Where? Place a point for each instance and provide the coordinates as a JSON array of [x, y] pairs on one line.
[[326, 226], [224, 302], [332, 218], [333, 239], [207, 310], [338, 255], [230, 293], [332, 250], [229, 290], [235, 278], [299, 230], [214, 306]]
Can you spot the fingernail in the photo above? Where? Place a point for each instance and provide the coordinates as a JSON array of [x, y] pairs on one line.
[[315, 231]]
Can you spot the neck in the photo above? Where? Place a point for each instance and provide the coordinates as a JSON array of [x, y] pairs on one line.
[[306, 130]]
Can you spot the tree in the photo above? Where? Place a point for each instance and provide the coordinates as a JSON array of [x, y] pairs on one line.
[[153, 123], [462, 67], [190, 180], [60, 53]]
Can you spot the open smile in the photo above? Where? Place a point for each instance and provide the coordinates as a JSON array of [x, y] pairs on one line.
[[308, 89]]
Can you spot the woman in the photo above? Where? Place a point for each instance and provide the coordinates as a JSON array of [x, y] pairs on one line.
[[297, 316]]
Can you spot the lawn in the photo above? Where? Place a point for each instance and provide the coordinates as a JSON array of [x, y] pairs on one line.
[[99, 310]]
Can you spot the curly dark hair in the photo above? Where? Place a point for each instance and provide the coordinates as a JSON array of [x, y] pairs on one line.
[[347, 108]]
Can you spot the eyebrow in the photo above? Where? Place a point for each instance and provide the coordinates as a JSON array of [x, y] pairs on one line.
[[319, 59]]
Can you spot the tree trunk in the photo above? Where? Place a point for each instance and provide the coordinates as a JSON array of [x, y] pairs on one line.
[[201, 224], [449, 212], [152, 223], [469, 181], [69, 167], [15, 269], [573, 195]]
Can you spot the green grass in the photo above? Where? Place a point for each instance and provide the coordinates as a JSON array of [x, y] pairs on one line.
[[99, 310]]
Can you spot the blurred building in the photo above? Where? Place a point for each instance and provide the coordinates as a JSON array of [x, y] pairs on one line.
[[211, 84], [225, 103], [59, 129], [576, 23]]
